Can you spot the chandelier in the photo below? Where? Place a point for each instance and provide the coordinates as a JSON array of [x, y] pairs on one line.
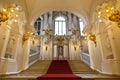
[[108, 12], [9, 12], [3, 17], [115, 17], [104, 11]]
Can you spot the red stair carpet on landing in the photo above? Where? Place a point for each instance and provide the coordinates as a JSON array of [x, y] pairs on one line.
[[59, 70]]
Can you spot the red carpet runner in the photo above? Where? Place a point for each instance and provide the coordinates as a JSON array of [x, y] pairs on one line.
[[59, 70]]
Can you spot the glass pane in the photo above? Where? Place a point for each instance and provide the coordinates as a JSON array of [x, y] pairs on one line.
[[64, 28], [81, 27], [56, 28], [60, 26], [37, 25], [60, 18]]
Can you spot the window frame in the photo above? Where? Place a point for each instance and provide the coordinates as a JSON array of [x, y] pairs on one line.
[[62, 30]]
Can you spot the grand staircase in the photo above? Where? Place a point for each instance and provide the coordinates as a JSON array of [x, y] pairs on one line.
[[41, 67]]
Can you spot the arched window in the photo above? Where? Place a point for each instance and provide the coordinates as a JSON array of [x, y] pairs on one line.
[[37, 25], [60, 26]]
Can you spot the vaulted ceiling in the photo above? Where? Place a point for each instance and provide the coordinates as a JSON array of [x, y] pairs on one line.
[[38, 7], [35, 8], [81, 8]]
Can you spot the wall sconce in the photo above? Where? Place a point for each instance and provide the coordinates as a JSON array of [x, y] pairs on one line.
[[26, 36], [73, 30], [91, 37], [47, 31], [46, 46], [33, 40], [75, 45]]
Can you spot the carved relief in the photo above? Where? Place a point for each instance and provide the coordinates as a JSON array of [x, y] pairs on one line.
[[110, 54], [10, 47]]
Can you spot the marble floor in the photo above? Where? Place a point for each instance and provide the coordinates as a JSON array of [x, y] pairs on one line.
[[78, 67]]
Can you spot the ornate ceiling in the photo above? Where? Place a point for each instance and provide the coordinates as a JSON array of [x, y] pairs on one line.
[[35, 8]]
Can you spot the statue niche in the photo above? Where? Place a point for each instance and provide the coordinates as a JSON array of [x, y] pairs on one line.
[[9, 49], [60, 53]]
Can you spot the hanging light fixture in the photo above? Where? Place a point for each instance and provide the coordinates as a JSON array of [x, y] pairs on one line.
[[9, 13], [115, 17], [108, 12], [104, 11], [4, 16]]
